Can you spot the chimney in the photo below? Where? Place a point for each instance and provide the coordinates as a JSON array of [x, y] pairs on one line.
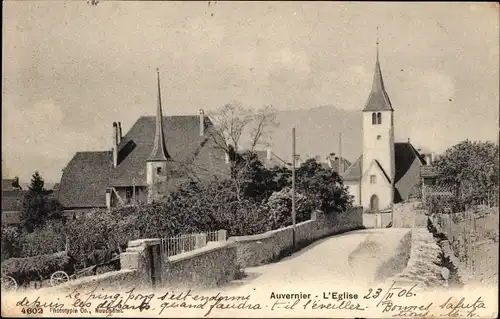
[[115, 144], [108, 198], [202, 122], [268, 154], [15, 183], [120, 136], [429, 158]]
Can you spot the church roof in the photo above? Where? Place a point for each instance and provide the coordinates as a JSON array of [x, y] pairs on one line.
[[378, 100], [87, 175], [404, 154]]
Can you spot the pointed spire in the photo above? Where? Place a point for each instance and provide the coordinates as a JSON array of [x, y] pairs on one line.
[[159, 152], [378, 99]]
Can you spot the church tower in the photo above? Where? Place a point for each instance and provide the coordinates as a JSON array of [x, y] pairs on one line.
[[377, 183], [157, 162]]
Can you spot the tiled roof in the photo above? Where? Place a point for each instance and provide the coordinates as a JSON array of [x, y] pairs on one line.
[[378, 100], [86, 177], [12, 200], [355, 171], [183, 141], [7, 184], [405, 154], [334, 164]]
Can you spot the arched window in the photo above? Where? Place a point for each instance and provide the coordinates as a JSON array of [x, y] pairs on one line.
[[379, 118], [374, 203], [374, 118]]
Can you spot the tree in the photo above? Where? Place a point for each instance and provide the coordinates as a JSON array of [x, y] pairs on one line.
[[38, 209], [233, 120], [324, 185], [37, 184], [471, 169], [278, 208]]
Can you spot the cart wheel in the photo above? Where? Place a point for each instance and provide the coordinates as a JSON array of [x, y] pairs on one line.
[[9, 283], [59, 277]]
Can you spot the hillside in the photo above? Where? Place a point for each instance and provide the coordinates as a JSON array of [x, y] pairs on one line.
[[317, 132]]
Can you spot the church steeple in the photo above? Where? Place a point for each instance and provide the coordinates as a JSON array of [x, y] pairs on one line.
[[378, 100], [159, 152]]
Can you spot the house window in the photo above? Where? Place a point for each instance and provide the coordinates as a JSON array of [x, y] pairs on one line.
[[158, 170], [374, 118], [379, 118], [128, 194], [373, 179], [379, 137]]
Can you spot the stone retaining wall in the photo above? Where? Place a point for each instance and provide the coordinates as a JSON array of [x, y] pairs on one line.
[[263, 248]]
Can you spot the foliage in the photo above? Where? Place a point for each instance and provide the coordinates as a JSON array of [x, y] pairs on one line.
[[11, 246], [471, 168], [251, 179], [37, 183], [323, 185], [278, 209], [97, 230], [36, 267], [38, 209], [44, 240], [444, 204]]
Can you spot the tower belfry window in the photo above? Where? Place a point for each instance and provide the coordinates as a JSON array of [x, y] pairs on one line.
[[374, 118], [379, 118], [158, 170]]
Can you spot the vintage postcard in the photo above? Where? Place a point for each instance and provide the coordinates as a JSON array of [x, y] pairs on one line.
[[234, 159]]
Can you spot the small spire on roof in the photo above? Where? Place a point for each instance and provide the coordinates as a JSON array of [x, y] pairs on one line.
[[159, 152]]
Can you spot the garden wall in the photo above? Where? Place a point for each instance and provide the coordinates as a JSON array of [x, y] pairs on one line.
[[209, 266], [144, 265], [423, 266], [260, 249]]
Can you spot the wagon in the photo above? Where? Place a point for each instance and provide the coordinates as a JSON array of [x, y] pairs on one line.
[[55, 269], [62, 276]]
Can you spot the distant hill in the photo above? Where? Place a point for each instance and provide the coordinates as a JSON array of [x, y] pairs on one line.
[[317, 132]]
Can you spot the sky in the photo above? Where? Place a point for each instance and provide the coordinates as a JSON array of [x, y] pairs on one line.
[[70, 69]]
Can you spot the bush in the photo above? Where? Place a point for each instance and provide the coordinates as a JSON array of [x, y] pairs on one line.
[[47, 240], [278, 209], [37, 267], [11, 246]]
